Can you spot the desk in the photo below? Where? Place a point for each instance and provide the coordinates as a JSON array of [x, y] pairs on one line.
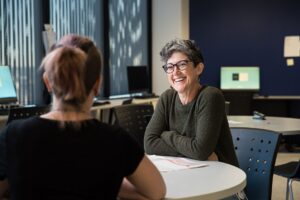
[[217, 180], [96, 110], [102, 112], [117, 102], [284, 125], [274, 97], [245, 102], [284, 106]]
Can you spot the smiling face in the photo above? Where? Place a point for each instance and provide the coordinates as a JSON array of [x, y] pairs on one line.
[[184, 81]]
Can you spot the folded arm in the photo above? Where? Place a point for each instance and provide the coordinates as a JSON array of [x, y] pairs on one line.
[[153, 142], [209, 122]]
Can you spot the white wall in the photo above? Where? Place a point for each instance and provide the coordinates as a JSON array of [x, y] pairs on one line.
[[170, 19]]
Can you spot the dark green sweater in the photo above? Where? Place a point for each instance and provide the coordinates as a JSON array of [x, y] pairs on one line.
[[195, 130]]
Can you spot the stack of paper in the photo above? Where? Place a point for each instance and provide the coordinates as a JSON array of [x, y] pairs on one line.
[[167, 163]]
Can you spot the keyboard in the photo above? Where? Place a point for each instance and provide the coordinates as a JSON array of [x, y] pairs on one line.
[[4, 108]]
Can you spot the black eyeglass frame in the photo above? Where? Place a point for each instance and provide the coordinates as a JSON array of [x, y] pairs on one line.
[[179, 67]]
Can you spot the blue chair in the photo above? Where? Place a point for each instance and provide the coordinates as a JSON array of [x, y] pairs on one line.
[[256, 150], [291, 171]]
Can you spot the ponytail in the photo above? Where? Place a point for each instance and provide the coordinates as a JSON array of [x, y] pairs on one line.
[[65, 69]]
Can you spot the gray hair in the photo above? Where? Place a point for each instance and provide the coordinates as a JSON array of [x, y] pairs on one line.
[[188, 47]]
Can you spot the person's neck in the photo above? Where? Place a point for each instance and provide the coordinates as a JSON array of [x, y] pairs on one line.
[[65, 112], [68, 113], [189, 95]]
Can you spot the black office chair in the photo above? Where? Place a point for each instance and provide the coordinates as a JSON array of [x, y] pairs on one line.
[[133, 118], [256, 150], [25, 112], [291, 171], [106, 115]]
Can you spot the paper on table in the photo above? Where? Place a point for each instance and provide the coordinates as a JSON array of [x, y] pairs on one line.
[[234, 122], [167, 163]]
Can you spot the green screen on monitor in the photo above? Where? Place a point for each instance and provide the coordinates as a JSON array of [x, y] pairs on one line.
[[240, 78], [7, 88]]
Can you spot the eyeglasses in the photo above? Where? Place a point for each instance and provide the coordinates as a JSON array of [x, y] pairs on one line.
[[181, 65]]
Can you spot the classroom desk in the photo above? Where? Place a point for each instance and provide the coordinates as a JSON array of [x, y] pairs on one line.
[[245, 102], [283, 106], [284, 125], [96, 110], [217, 180]]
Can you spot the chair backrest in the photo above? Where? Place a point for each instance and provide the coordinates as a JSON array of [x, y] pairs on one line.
[[106, 115], [25, 112], [297, 171], [256, 150], [133, 118]]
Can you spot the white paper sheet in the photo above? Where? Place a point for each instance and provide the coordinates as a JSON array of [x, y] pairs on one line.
[[292, 46], [167, 163], [234, 122]]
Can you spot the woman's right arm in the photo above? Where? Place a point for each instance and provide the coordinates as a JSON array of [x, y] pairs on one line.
[[145, 182], [153, 143], [3, 188]]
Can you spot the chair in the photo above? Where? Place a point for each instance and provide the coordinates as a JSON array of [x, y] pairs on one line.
[[106, 115], [25, 112], [291, 171], [256, 150], [133, 118]]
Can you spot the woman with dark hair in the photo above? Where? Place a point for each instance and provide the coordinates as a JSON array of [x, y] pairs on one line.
[[189, 119], [66, 154]]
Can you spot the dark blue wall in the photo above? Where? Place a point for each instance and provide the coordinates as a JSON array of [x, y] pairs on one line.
[[248, 32]]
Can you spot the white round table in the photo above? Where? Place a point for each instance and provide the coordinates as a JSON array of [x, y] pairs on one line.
[[216, 180]]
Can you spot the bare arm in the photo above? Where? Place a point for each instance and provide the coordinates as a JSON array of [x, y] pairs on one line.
[[128, 191], [3, 188], [145, 183]]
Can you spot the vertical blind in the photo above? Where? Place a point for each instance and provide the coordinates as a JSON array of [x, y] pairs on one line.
[[18, 45], [21, 44], [128, 40], [77, 16]]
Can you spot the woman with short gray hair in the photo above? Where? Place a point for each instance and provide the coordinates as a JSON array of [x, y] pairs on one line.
[[189, 119]]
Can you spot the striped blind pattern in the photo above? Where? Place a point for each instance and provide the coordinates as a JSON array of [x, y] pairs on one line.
[[17, 44], [77, 16]]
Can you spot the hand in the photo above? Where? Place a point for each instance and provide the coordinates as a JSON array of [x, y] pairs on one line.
[[213, 157]]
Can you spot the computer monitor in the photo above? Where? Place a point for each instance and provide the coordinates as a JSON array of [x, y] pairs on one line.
[[7, 89], [240, 78], [138, 79]]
